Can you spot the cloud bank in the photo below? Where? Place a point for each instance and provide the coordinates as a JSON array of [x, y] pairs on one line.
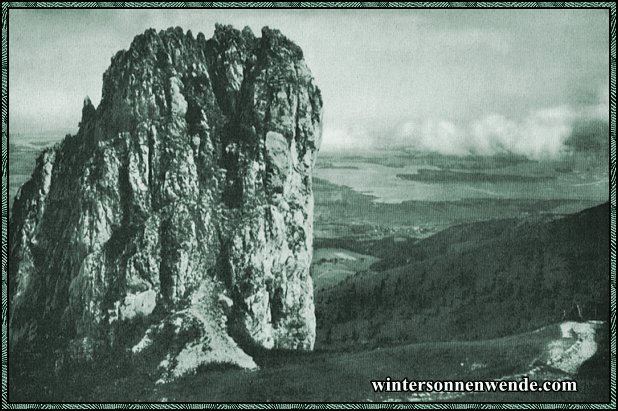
[[544, 133]]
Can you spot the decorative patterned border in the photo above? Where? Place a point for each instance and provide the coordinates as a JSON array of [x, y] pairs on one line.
[[612, 8]]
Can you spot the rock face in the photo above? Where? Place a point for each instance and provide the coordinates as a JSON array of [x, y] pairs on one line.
[[177, 223]]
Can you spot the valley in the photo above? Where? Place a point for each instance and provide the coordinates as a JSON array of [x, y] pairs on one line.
[[442, 275]]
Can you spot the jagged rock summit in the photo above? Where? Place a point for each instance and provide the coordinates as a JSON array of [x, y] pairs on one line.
[[176, 225]]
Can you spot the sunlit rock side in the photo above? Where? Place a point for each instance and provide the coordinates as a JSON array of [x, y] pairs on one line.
[[177, 223], [578, 344]]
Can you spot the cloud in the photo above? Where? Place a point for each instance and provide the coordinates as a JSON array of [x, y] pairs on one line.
[[589, 135], [541, 134], [346, 140]]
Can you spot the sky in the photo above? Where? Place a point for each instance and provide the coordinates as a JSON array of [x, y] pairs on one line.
[[452, 81]]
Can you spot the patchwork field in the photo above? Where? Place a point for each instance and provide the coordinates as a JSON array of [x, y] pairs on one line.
[[333, 265]]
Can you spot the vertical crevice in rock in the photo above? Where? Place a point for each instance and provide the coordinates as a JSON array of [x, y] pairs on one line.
[[180, 210]]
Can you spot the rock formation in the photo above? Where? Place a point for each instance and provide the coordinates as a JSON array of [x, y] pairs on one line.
[[177, 223]]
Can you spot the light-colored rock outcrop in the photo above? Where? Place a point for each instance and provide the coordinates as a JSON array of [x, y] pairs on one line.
[[177, 223]]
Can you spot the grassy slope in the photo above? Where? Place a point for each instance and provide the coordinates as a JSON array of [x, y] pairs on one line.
[[474, 281], [332, 265], [418, 302], [540, 264], [324, 376]]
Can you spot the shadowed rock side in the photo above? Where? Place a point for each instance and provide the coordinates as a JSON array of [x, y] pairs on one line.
[[177, 222]]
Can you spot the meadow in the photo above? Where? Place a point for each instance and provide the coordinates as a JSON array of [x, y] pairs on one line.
[[444, 273]]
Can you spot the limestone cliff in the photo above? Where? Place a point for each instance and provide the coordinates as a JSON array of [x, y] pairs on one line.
[[177, 223]]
